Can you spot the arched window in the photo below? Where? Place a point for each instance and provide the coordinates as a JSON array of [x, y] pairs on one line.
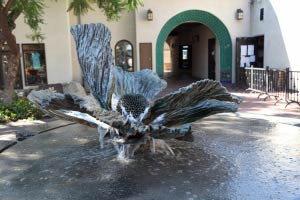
[[124, 55]]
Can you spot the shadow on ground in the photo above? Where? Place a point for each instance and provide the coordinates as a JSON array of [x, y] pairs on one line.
[[231, 158]]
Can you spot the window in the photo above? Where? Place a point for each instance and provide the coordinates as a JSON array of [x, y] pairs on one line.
[[34, 64], [185, 56], [261, 16], [124, 55]]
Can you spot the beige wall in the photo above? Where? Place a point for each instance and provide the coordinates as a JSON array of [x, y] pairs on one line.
[[76, 71], [186, 36], [174, 55], [281, 30], [57, 41], [61, 56], [275, 54], [289, 15], [124, 29], [147, 31], [167, 58], [200, 53]]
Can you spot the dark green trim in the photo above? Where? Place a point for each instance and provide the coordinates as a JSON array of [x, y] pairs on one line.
[[214, 24]]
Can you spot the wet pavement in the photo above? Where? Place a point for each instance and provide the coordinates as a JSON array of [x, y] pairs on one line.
[[13, 132], [231, 158]]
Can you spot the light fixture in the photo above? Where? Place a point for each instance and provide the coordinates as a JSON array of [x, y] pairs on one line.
[[239, 14], [149, 15]]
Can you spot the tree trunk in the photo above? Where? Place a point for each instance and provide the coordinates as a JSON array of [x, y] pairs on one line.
[[9, 40], [10, 78]]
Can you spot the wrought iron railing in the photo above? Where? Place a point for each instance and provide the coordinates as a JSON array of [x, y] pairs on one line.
[[280, 84]]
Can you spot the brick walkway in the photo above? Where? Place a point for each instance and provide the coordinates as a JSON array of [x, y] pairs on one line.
[[250, 104]]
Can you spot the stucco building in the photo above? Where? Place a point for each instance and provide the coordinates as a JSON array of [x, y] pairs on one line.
[[204, 39]]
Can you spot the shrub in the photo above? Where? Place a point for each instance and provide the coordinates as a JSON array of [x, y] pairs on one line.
[[19, 109]]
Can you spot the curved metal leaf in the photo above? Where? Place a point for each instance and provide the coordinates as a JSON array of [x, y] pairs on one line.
[[96, 60], [188, 99], [144, 82], [192, 113]]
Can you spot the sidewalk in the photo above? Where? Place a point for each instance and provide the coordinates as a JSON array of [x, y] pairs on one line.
[[13, 132], [251, 104]]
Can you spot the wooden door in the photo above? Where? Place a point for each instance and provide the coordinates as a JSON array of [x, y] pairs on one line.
[[212, 59], [249, 52], [242, 45], [185, 56], [145, 56]]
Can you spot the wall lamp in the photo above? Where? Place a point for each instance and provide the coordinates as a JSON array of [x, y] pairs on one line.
[[149, 15], [239, 14]]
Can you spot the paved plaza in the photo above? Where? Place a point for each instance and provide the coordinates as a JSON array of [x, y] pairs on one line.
[[252, 154], [231, 158]]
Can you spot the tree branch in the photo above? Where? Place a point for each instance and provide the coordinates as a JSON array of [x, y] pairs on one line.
[[14, 15], [8, 6], [7, 35]]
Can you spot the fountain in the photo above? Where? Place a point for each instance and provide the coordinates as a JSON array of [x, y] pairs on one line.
[[123, 105]]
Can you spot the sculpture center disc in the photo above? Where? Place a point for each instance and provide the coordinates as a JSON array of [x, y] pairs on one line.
[[133, 103]]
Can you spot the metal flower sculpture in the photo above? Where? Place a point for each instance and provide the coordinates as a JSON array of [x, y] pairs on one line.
[[122, 105]]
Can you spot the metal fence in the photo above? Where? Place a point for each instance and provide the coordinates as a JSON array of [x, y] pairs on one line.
[[282, 85]]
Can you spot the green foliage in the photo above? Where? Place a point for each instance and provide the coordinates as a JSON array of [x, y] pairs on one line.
[[32, 11], [19, 109], [111, 8], [80, 6]]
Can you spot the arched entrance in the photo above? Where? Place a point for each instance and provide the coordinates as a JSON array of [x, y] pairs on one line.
[[211, 22]]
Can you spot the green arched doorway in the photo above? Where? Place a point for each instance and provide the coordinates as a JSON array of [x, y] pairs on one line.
[[212, 22]]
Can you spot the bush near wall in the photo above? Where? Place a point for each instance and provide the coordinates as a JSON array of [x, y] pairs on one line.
[[19, 109]]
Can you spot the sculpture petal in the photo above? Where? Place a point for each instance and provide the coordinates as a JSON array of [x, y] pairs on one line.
[[73, 98], [192, 113], [96, 60], [190, 98], [144, 82]]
